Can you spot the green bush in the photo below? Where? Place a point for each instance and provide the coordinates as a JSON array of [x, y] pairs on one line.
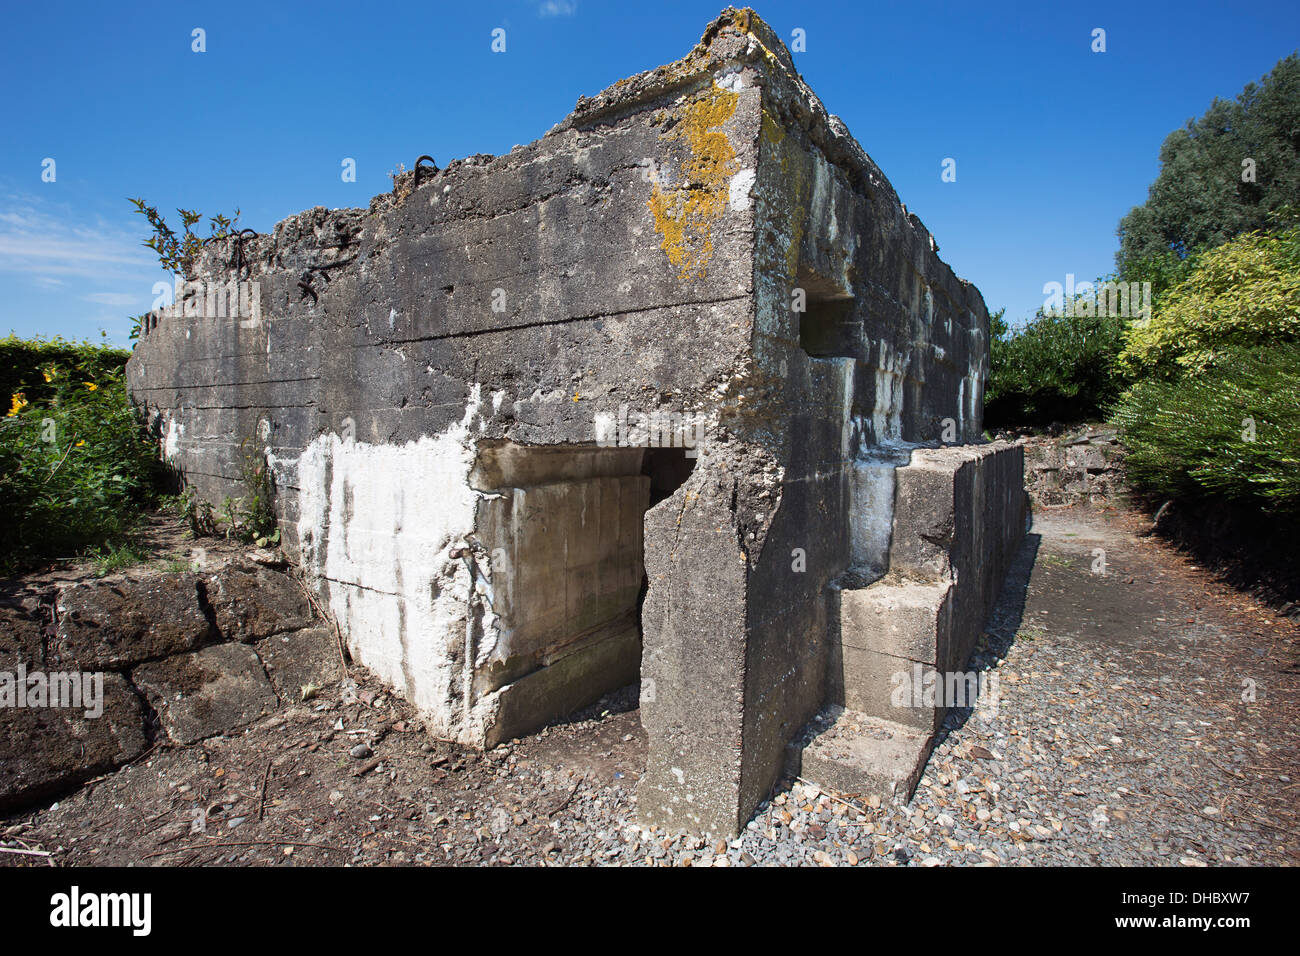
[[23, 363], [1212, 417], [1230, 432], [1058, 368], [1245, 292], [76, 465]]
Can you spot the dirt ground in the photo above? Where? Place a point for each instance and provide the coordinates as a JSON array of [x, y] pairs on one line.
[[290, 788], [350, 777]]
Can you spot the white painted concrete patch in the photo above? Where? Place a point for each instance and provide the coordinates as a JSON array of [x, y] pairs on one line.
[[376, 525], [739, 189]]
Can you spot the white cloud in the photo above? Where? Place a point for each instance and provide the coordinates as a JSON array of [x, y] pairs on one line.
[[43, 242], [72, 267], [116, 298], [557, 8]]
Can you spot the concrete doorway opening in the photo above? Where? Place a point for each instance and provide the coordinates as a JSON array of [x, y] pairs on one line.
[[667, 469], [562, 528]]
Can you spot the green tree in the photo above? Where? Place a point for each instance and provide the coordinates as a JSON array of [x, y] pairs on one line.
[[1057, 368], [1204, 195]]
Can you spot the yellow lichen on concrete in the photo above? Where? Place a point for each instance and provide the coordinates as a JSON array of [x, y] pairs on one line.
[[684, 214]]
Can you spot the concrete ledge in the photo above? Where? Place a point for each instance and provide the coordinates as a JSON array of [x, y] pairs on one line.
[[959, 515], [958, 518], [862, 755], [864, 681]]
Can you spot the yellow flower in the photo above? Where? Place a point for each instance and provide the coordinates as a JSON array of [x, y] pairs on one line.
[[91, 386], [19, 403], [80, 443], [48, 376]]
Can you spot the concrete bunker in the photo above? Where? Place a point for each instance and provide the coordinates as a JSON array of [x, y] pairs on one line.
[[552, 423]]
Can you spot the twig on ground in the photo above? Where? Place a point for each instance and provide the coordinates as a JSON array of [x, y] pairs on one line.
[[15, 850], [261, 803], [822, 790], [1273, 826], [1223, 768], [135, 760], [565, 802]]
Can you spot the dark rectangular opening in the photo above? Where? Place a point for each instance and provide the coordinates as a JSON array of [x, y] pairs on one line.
[[828, 327]]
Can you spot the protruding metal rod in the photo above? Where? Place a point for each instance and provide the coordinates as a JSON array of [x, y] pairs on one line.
[[418, 167]]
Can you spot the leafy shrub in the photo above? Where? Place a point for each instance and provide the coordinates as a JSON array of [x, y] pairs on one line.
[[252, 517], [75, 463], [24, 363], [176, 251], [195, 513], [1058, 368], [1230, 432], [1245, 292], [249, 518]]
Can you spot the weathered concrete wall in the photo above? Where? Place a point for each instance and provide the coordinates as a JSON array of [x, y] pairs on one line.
[[509, 299], [435, 382], [891, 345]]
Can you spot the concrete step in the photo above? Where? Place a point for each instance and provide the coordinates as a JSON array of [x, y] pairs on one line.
[[887, 632], [902, 618], [856, 753]]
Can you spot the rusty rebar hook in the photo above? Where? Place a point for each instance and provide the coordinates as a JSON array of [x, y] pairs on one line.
[[304, 284], [306, 281], [418, 167], [239, 249]]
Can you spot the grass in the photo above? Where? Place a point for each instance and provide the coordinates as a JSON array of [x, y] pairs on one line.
[[116, 558]]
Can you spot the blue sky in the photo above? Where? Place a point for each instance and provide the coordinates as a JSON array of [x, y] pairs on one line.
[[1053, 143]]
